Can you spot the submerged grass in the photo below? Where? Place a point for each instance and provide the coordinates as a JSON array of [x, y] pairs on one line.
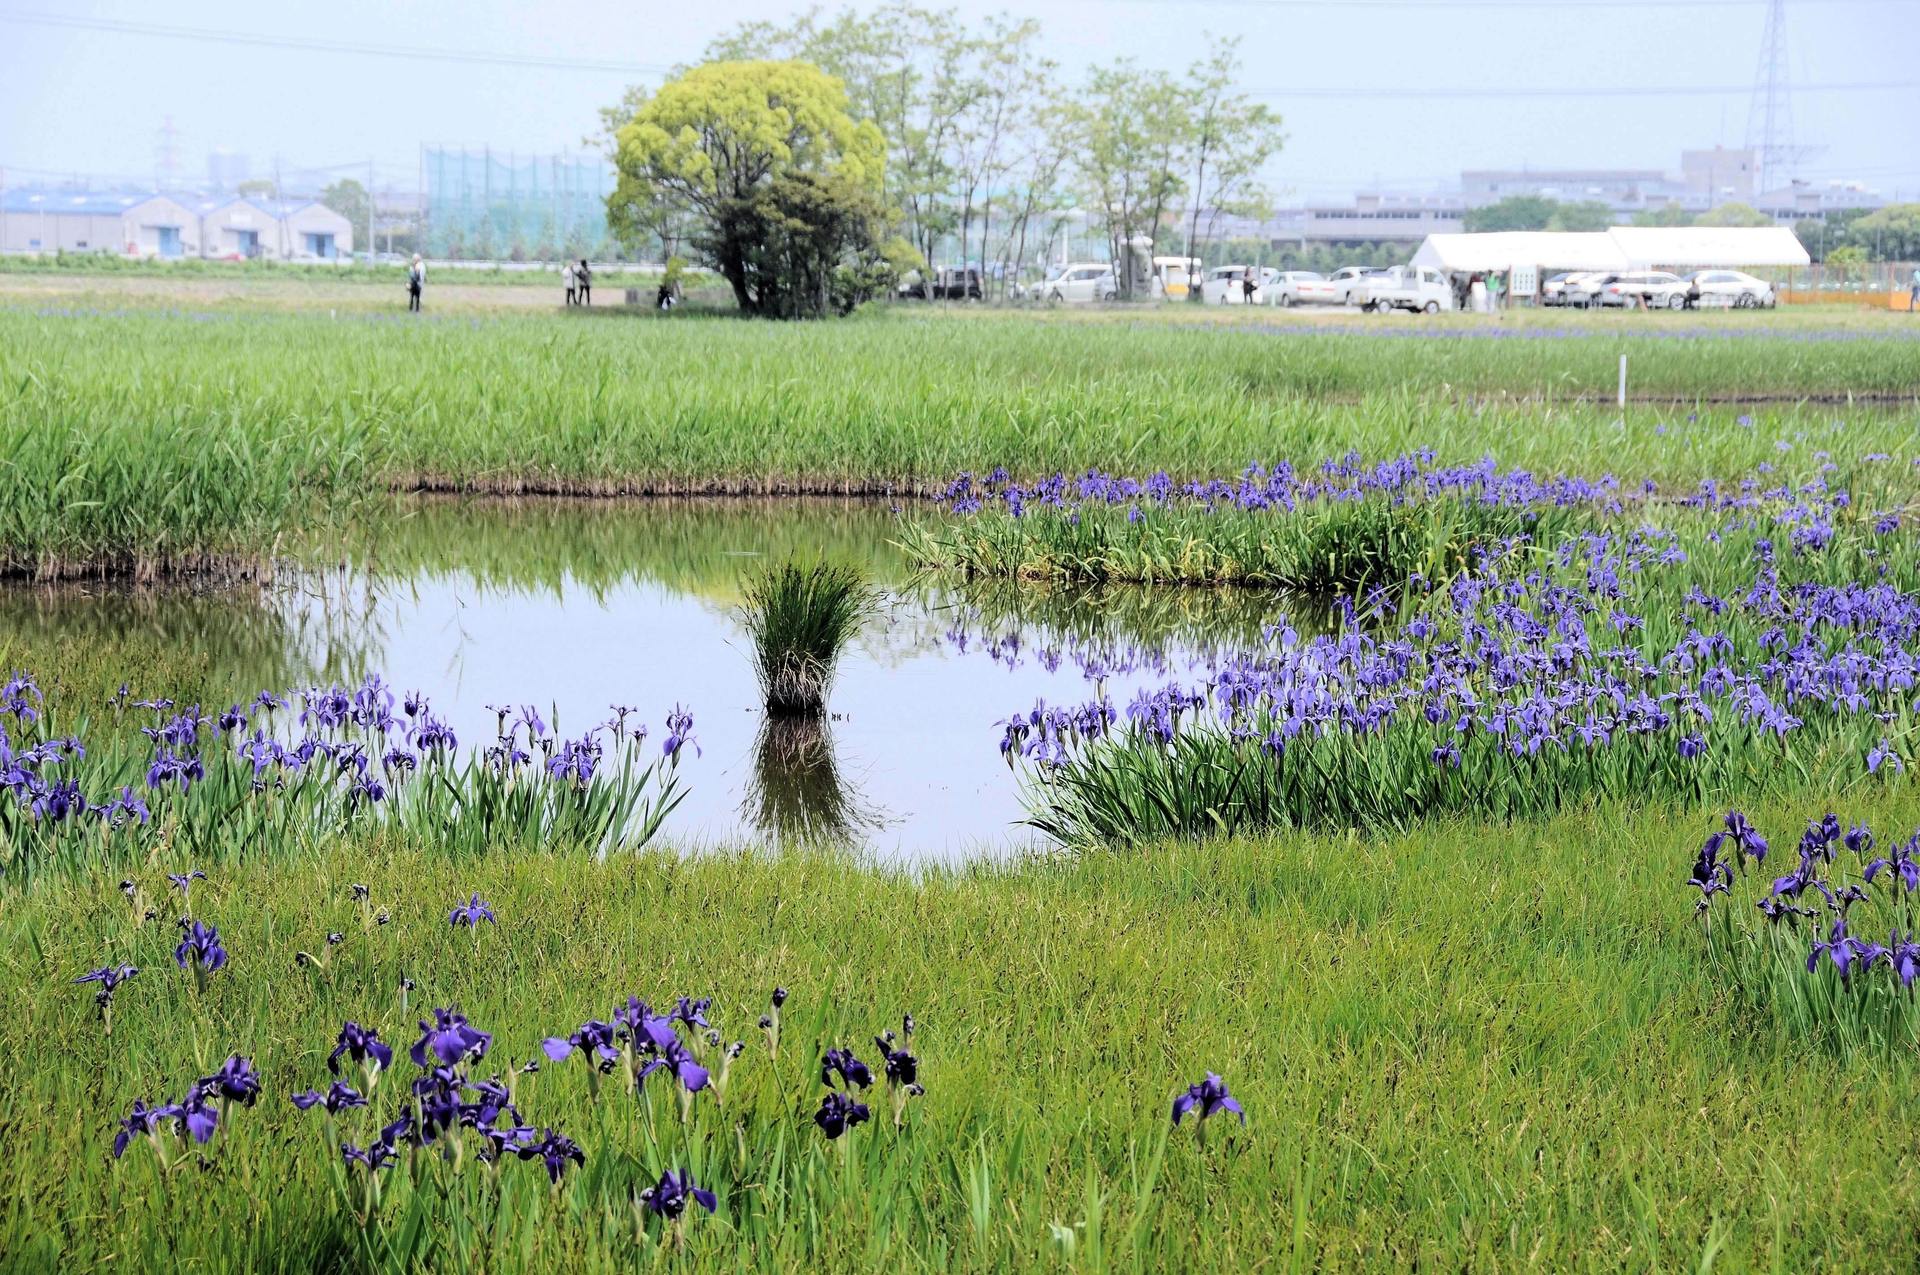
[[1459, 1049]]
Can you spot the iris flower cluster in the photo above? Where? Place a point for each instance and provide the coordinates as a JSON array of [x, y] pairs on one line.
[[638, 1042], [1839, 874], [444, 1108], [349, 745], [1537, 677], [198, 1116]]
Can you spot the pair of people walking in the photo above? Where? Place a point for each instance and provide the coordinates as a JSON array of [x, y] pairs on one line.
[[579, 281]]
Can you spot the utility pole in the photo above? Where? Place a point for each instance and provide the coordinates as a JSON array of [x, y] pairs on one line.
[[370, 240]]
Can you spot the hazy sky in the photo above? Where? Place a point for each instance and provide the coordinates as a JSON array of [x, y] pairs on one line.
[[93, 99]]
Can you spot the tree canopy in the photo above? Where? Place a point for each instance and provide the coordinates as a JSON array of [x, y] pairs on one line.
[[763, 170]]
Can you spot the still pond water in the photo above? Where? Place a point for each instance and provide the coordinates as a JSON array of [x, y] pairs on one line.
[[574, 607]]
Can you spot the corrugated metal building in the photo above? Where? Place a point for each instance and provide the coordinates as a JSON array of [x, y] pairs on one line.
[[147, 224], [138, 224]]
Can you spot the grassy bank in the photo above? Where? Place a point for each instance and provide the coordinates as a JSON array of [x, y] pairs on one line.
[[1470, 1048], [146, 441]]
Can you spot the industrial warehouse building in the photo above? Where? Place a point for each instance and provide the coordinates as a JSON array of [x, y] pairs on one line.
[[148, 224]]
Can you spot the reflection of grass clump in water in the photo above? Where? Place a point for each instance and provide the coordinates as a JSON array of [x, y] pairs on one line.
[[800, 619], [798, 793]]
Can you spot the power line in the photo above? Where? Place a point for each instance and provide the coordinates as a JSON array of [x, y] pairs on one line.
[[489, 57], [322, 44], [1609, 90]]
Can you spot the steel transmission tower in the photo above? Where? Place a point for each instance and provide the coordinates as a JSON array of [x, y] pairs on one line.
[[1770, 116]]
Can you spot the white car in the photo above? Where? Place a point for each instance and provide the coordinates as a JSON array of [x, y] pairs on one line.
[[1553, 291], [1651, 289], [1226, 285], [1419, 288], [1584, 290], [1283, 289], [1080, 284], [1337, 288], [1728, 287]]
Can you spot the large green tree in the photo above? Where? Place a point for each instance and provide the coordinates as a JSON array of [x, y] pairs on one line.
[[1234, 137], [1131, 131], [1515, 212], [1888, 234], [1733, 214], [744, 159]]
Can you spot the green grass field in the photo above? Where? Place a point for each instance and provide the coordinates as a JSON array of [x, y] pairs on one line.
[[1467, 1048], [142, 441], [1461, 1044]]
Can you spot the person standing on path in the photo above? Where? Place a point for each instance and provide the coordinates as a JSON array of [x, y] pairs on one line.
[[567, 277], [1495, 286], [1913, 294], [416, 283], [584, 278]]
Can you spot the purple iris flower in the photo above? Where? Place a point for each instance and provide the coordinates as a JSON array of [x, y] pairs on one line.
[[1903, 953], [838, 1113], [1902, 862], [1742, 834], [672, 1055], [690, 1012], [378, 1156], [471, 913], [450, 1038], [236, 1081], [1881, 755], [339, 1097], [902, 1067], [669, 1197], [851, 1070], [200, 948], [1210, 1096], [1711, 874], [556, 1150], [141, 1120], [679, 733], [109, 977], [197, 1117], [183, 881], [594, 1036], [360, 1043]]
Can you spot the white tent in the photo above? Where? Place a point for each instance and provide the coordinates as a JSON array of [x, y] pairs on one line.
[[1621, 248], [1703, 246], [1505, 249]]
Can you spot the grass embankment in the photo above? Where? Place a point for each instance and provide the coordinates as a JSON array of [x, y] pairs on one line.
[[151, 441], [1461, 1049]]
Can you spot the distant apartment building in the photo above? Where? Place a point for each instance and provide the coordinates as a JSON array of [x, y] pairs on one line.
[[1706, 179], [155, 224]]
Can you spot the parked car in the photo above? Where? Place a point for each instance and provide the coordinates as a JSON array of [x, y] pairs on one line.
[[1338, 287], [950, 283], [1080, 284], [1728, 287], [1554, 290], [1651, 289], [1583, 290], [1226, 285], [1420, 288], [1283, 289]]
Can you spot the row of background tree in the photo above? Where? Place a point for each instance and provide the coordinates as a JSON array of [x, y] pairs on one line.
[[1845, 236], [936, 141], [988, 155]]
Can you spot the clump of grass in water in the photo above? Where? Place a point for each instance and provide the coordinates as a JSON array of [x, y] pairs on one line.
[[800, 618]]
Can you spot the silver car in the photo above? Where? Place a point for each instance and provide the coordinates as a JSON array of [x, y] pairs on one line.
[[1283, 289]]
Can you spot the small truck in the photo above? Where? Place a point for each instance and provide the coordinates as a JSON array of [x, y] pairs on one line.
[[1419, 288]]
